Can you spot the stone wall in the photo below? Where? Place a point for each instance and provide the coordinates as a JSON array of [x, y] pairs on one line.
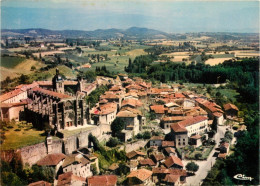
[[31, 154], [134, 146]]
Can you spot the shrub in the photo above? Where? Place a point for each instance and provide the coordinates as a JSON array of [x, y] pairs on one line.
[[193, 167], [113, 142], [139, 136], [146, 135], [198, 156], [17, 130]]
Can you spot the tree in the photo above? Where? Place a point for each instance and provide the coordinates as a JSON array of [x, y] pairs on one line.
[[24, 79], [33, 68], [93, 168], [147, 135], [229, 135], [214, 125], [117, 126], [193, 167], [198, 156], [152, 116], [113, 142]]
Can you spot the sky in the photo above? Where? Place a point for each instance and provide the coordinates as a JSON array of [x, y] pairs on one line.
[[164, 15]]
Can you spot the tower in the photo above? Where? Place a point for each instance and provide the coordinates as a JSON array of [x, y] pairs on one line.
[[58, 82]]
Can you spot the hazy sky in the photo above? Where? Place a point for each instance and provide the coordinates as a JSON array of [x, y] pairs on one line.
[[164, 15]]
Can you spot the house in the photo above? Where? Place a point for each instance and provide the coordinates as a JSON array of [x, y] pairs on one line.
[[133, 103], [105, 113], [230, 110], [171, 179], [157, 158], [169, 151], [133, 165], [114, 167], [147, 162], [166, 122], [78, 165], [173, 162], [182, 130], [140, 176], [69, 179], [159, 175], [213, 110], [196, 140], [135, 155], [224, 147], [132, 119], [103, 180], [222, 155], [159, 110], [40, 183], [156, 141], [166, 144], [53, 160], [12, 111]]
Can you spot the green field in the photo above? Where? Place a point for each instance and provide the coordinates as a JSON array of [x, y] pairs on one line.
[[11, 62], [25, 137]]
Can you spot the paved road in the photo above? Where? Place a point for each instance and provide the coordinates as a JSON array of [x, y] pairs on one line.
[[205, 166]]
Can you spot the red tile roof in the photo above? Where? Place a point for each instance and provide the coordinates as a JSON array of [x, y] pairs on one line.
[[8, 105], [11, 94], [105, 109], [141, 174], [51, 93], [103, 180], [179, 95], [222, 155], [158, 109], [176, 118], [173, 160], [230, 106], [68, 178], [126, 114], [197, 136], [171, 178], [158, 157], [176, 127], [159, 170], [168, 144], [169, 150], [51, 159], [40, 183], [157, 138], [147, 161], [132, 102], [134, 153], [192, 121]]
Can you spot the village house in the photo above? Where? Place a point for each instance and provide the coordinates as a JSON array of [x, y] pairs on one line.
[[173, 162], [104, 113], [195, 140], [78, 165], [140, 176], [104, 180], [132, 164], [182, 130], [166, 122], [132, 120], [157, 158], [156, 141], [147, 163], [161, 175], [69, 179], [53, 160], [166, 144], [230, 110], [169, 151], [213, 110], [159, 110], [135, 155], [133, 103], [40, 183]]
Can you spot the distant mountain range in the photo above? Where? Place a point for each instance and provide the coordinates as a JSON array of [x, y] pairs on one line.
[[131, 33]]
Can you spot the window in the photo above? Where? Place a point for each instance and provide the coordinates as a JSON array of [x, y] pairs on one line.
[[183, 143]]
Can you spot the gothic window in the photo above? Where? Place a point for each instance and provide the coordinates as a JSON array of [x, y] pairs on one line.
[[68, 105]]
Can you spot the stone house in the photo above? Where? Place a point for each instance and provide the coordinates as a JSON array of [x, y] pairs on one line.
[[156, 141], [159, 110], [173, 162], [104, 180], [182, 131], [135, 155], [78, 165], [140, 176], [69, 179], [160, 176], [53, 160], [230, 110]]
